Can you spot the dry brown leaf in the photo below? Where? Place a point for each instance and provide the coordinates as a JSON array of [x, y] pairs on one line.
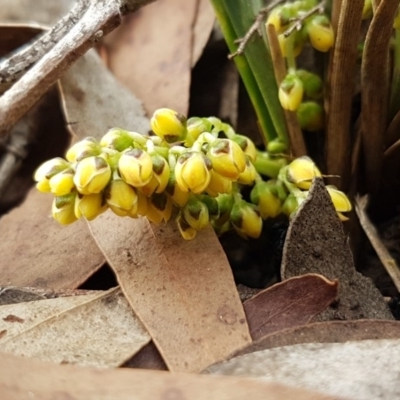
[[183, 291], [19, 378], [151, 53], [37, 251], [360, 370], [29, 315], [202, 28], [327, 332], [94, 101], [315, 243], [147, 358], [96, 330], [292, 302]]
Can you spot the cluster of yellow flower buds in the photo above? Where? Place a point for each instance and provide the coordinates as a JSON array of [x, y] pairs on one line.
[[301, 91], [186, 169]]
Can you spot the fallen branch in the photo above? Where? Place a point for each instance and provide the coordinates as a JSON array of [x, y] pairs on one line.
[[101, 17]]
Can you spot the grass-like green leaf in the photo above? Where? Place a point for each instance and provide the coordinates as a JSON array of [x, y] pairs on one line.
[[255, 65]]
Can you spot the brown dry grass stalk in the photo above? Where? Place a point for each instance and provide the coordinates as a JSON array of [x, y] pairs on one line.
[[375, 83], [340, 91]]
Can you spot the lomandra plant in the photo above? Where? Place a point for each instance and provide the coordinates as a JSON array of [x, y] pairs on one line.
[[324, 72]]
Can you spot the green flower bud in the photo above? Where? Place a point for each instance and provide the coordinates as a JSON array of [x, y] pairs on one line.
[[121, 198], [247, 145], [301, 172], [87, 147], [62, 183], [63, 209], [117, 139], [169, 125], [267, 201], [320, 33], [192, 172], [136, 167], [227, 158], [89, 206], [196, 214], [248, 176], [310, 116], [291, 92], [218, 184], [47, 170], [276, 146], [92, 175], [290, 205], [312, 84], [246, 219], [212, 205], [187, 232]]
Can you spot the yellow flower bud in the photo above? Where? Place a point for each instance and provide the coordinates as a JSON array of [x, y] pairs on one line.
[[396, 22], [301, 172], [47, 170], [187, 232], [340, 201], [247, 145], [279, 17], [196, 214], [291, 92], [248, 176], [296, 41], [320, 33], [267, 201], [121, 198], [367, 11], [118, 139], [89, 206], [63, 209], [192, 172], [142, 205], [169, 125], [178, 196], [136, 167], [162, 204], [62, 183], [92, 175], [152, 214], [84, 148], [218, 184], [161, 172], [227, 158], [196, 126], [246, 219]]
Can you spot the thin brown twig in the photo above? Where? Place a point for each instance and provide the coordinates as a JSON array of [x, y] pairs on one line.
[[102, 17], [242, 42], [298, 21], [13, 67]]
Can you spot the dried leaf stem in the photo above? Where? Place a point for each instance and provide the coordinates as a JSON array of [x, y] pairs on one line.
[[297, 145], [340, 91], [375, 81], [12, 68], [254, 28], [387, 260], [101, 17]]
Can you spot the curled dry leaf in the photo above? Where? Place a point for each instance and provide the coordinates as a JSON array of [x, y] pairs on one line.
[[315, 243], [183, 291], [289, 303], [361, 370], [48, 381], [97, 330], [327, 332]]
